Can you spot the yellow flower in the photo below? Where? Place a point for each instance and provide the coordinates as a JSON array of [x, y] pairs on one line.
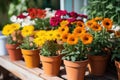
[[39, 41], [72, 39], [86, 38], [7, 30], [57, 34], [96, 27], [40, 33], [63, 29], [80, 24], [15, 26], [78, 31], [65, 37], [107, 23], [50, 35], [64, 23], [27, 30]]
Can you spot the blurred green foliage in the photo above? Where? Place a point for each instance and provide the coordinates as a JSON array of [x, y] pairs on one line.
[[15, 7]]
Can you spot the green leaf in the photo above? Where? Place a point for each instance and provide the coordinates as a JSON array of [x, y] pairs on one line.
[[110, 6], [73, 58]]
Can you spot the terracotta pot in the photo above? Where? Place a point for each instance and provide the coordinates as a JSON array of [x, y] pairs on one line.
[[51, 65], [117, 64], [31, 57], [75, 70], [14, 53], [97, 64]]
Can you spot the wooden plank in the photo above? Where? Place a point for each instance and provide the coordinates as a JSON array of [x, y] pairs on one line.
[[19, 69]]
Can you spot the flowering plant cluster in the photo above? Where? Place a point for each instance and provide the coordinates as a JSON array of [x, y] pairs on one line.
[[101, 29], [12, 31], [27, 33], [33, 16], [47, 41]]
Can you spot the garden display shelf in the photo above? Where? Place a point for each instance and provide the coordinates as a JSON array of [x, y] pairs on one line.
[[19, 69]]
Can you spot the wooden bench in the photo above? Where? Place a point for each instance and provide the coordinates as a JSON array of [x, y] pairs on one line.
[[19, 69]]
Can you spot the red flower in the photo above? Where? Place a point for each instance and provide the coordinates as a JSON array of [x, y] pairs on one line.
[[71, 20], [60, 13], [21, 16], [41, 13], [54, 21], [32, 12], [73, 14]]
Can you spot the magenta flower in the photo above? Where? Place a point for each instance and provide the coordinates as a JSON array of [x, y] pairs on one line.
[[73, 14], [54, 21], [60, 13], [82, 15], [71, 20]]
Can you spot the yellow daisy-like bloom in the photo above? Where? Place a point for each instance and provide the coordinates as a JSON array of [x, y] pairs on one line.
[[39, 41], [86, 38], [80, 24], [64, 23], [65, 37], [96, 27], [40, 33], [78, 31], [50, 35], [63, 29], [15, 26], [57, 34], [107, 23], [7, 30], [72, 39], [117, 33], [90, 22], [98, 18], [27, 30]]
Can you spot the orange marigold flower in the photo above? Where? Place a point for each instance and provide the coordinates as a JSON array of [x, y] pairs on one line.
[[90, 22], [63, 29], [78, 31], [117, 33], [80, 24], [86, 38], [72, 39], [65, 36], [64, 23], [96, 27], [107, 23], [98, 18]]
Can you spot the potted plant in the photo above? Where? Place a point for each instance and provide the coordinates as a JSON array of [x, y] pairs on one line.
[[104, 8], [29, 50], [14, 38], [115, 51], [73, 34], [99, 51], [49, 55]]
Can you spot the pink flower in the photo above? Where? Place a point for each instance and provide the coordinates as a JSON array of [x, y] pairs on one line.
[[71, 20], [60, 13], [73, 14], [54, 21]]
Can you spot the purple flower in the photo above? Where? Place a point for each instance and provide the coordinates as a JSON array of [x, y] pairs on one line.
[[60, 13], [82, 15], [73, 14], [54, 21]]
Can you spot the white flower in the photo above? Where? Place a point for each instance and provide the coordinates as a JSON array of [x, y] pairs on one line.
[[13, 18], [25, 13]]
